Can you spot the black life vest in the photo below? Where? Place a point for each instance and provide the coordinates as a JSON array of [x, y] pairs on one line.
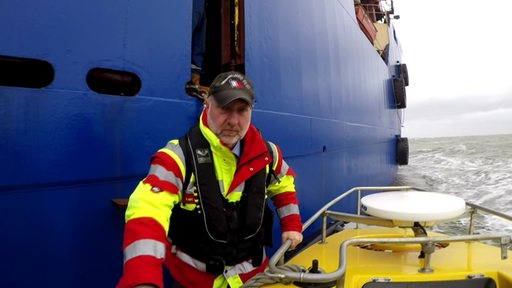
[[216, 229]]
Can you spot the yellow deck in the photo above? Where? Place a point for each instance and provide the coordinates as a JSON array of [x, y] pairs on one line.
[[459, 260]]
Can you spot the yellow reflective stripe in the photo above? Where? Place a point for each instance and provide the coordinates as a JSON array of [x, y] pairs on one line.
[[144, 247], [145, 203]]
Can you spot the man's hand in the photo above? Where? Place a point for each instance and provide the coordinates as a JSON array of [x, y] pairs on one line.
[[294, 236]]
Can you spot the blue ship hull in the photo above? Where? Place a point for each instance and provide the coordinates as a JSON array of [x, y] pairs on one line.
[[323, 94]]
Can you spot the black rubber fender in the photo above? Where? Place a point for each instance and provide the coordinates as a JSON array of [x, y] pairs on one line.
[[404, 74], [402, 150], [399, 92]]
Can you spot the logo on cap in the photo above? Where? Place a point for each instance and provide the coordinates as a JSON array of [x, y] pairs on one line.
[[236, 84], [229, 86]]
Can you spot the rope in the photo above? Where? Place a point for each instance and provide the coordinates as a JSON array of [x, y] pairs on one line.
[[267, 278]]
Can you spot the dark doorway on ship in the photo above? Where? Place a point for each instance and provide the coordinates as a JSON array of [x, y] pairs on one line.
[[223, 39]]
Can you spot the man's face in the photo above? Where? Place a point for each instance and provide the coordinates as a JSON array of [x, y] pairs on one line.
[[229, 123]]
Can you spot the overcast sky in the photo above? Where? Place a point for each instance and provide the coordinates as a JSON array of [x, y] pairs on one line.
[[459, 57]]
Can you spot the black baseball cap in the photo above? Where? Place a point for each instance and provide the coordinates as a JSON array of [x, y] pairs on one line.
[[229, 86]]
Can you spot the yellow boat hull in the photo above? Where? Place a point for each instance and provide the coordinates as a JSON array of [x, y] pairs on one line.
[[401, 262]]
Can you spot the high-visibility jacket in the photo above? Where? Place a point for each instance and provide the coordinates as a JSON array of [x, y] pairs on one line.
[[145, 244], [225, 233]]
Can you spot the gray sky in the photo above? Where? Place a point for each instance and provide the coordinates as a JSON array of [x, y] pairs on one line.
[[459, 57]]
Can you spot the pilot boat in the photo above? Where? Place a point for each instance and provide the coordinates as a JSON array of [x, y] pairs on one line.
[[391, 242]]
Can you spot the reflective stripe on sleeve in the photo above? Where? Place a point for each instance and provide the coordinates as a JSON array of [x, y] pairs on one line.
[[290, 209], [144, 247], [173, 149], [165, 175], [284, 169]]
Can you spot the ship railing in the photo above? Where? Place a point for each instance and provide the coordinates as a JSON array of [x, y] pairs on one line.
[[376, 12], [278, 270]]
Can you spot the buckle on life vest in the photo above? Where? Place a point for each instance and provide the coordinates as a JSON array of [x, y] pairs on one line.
[[215, 265]]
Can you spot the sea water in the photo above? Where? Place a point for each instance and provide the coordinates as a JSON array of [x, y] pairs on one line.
[[475, 168]]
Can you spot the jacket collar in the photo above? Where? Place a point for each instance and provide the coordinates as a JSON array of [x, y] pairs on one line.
[[252, 144]]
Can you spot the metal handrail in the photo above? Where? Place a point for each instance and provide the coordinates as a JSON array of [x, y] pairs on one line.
[[474, 208], [427, 243]]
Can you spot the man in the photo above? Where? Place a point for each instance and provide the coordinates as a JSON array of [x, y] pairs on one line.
[[215, 181], [198, 45]]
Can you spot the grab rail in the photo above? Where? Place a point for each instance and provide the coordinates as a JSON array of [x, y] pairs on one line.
[[474, 208]]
